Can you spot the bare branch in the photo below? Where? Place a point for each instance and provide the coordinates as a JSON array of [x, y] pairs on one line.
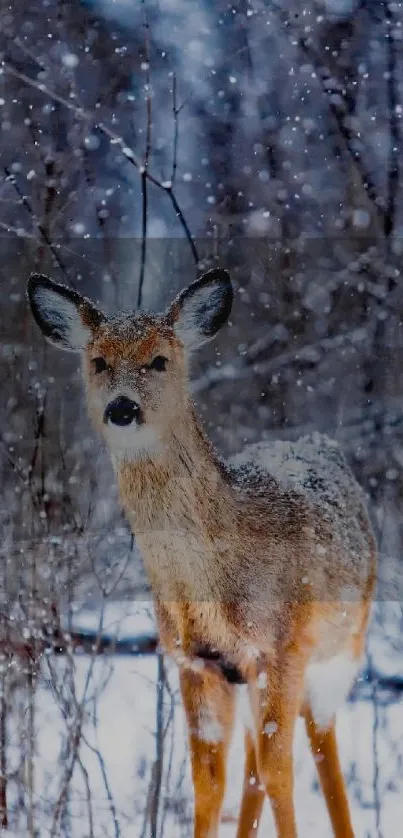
[[76, 730], [91, 833], [159, 750], [50, 197], [42, 231], [109, 795], [346, 134], [175, 112], [128, 153], [146, 161], [3, 749], [394, 140]]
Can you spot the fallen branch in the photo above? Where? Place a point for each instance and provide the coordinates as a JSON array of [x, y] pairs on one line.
[[82, 641], [391, 685]]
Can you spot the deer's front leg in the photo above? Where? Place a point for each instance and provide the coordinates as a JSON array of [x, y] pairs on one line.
[[209, 703], [276, 709]]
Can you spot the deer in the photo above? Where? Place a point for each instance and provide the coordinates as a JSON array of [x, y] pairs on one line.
[[262, 567]]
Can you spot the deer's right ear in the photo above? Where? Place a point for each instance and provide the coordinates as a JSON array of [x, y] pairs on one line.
[[66, 318]]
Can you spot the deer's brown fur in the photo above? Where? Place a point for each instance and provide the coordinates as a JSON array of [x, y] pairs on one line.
[[268, 562]]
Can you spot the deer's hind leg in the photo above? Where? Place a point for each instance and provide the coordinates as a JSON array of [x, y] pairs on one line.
[[253, 793], [209, 703], [322, 736], [324, 749]]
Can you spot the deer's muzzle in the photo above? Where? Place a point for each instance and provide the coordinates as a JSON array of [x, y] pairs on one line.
[[122, 412]]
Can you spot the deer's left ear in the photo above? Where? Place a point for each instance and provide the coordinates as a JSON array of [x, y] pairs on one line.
[[202, 308], [65, 317]]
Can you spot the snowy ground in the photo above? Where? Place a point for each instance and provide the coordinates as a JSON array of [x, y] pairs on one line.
[[121, 723]]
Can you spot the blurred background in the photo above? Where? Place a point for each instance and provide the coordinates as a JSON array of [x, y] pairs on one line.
[[141, 143]]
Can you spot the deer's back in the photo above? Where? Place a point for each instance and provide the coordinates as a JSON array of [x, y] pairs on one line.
[[313, 466], [312, 482]]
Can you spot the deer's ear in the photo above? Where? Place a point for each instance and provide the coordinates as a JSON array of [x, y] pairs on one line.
[[202, 308], [66, 318]]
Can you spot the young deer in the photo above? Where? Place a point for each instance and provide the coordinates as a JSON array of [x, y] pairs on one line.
[[262, 569]]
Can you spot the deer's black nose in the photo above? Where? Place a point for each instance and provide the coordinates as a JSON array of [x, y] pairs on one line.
[[122, 411]]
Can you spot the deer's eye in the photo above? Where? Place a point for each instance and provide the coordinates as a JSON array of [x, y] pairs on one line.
[[159, 363], [99, 364]]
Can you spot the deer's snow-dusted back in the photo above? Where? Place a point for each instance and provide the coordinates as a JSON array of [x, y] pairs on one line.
[[262, 569]]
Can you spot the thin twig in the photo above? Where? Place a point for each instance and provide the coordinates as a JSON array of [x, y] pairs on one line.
[[41, 230], [393, 163], [76, 729], [91, 833], [346, 135], [374, 697], [38, 438], [128, 153], [31, 677], [179, 214], [108, 790], [17, 231], [3, 749], [143, 254], [175, 112], [170, 725], [146, 160], [28, 52], [101, 221], [375, 756], [49, 202], [159, 750]]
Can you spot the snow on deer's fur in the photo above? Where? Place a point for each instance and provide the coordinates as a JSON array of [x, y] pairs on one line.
[[262, 569]]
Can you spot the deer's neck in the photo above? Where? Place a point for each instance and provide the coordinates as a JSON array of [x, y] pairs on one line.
[[179, 503]]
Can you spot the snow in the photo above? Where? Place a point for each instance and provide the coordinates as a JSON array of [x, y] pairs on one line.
[[70, 60], [297, 464], [314, 467], [270, 728], [209, 729], [242, 90], [121, 725]]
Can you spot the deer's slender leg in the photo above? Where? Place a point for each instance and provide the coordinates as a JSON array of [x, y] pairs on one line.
[[278, 708], [209, 703], [253, 793], [324, 749]]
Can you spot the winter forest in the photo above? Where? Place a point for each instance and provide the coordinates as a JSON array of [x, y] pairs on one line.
[[143, 142]]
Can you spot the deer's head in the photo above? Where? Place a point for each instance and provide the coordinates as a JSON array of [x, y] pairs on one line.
[[134, 366]]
